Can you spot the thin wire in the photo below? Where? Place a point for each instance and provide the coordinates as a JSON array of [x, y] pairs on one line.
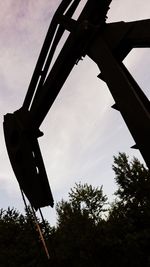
[[23, 197], [40, 233], [36, 223], [47, 232], [31, 223], [43, 220]]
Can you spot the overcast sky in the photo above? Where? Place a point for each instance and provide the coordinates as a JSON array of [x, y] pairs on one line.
[[81, 131]]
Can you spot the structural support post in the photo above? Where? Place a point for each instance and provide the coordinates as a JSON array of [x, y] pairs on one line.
[[132, 106]]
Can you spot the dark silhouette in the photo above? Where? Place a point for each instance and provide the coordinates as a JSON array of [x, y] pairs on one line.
[[107, 44], [88, 231]]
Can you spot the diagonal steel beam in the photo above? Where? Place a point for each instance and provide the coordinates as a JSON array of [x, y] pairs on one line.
[[130, 100]]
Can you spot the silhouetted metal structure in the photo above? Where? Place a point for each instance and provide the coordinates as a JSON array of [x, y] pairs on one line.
[[107, 44]]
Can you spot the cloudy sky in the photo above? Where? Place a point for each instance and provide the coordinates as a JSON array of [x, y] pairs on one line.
[[81, 131]]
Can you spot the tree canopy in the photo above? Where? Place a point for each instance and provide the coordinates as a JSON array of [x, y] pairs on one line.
[[89, 232]]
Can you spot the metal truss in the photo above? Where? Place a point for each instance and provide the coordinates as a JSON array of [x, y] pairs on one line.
[[107, 44]]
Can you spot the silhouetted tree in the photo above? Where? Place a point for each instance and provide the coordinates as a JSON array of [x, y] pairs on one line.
[[84, 200], [19, 242], [83, 236], [76, 225], [129, 216]]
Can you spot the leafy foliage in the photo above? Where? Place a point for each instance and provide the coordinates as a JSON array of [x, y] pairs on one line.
[[76, 225], [84, 200], [129, 216], [133, 180], [19, 241], [83, 236], [88, 200]]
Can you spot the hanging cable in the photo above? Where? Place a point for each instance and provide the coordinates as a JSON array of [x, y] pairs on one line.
[[42, 239], [25, 203], [43, 220], [40, 233], [31, 222]]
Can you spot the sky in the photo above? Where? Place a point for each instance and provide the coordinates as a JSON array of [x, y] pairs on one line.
[[82, 132]]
